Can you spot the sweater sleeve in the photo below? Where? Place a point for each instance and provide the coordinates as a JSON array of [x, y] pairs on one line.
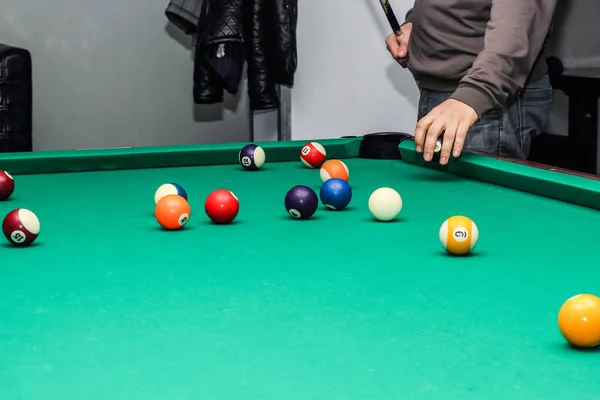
[[407, 17], [514, 38]]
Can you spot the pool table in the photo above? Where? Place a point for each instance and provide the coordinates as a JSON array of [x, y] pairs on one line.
[[108, 305]]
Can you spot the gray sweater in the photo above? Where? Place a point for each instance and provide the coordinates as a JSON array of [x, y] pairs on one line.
[[482, 50]]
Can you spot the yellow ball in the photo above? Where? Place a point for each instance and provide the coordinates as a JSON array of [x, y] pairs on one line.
[[459, 235]]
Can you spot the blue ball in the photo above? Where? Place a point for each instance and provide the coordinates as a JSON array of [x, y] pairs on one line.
[[336, 193], [169, 188], [180, 190]]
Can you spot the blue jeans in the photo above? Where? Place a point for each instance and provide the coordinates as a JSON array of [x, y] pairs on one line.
[[505, 133]]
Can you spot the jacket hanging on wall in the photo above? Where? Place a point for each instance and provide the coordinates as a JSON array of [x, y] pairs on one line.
[[233, 32], [184, 14]]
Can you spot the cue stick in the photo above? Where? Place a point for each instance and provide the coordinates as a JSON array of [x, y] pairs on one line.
[[391, 16]]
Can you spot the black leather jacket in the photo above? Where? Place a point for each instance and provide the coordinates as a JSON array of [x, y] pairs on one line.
[[232, 32]]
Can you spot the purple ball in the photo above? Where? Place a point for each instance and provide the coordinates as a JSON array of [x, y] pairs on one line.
[[301, 202], [252, 157]]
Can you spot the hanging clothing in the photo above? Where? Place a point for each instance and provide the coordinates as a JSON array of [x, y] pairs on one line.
[[184, 14], [231, 33]]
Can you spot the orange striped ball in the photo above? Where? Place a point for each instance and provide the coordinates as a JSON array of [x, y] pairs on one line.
[[459, 235], [334, 169]]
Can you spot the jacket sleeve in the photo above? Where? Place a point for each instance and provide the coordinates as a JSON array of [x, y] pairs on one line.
[[184, 14], [262, 84], [220, 50], [514, 38], [286, 58]]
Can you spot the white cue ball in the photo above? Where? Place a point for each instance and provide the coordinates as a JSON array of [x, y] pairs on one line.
[[385, 204], [438, 147]]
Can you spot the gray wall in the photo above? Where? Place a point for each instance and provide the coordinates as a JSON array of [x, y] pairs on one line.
[[113, 73], [347, 83]]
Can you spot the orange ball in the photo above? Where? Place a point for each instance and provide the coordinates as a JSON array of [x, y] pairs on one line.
[[334, 169], [172, 212], [579, 320]]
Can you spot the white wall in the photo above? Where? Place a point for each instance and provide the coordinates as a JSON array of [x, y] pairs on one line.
[[347, 83], [114, 73]]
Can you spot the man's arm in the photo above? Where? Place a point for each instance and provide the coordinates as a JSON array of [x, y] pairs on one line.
[[407, 17], [513, 40]]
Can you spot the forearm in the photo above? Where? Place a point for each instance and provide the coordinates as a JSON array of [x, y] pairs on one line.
[[513, 40]]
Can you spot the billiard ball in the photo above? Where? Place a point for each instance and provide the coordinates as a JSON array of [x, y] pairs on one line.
[[335, 194], [579, 320], [222, 206], [21, 227], [252, 157], [313, 155], [437, 151], [385, 204], [334, 169], [7, 185], [172, 212], [301, 202], [459, 235], [169, 188]]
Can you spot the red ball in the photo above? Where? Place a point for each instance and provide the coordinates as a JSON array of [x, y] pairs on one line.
[[222, 206], [21, 227], [7, 185], [313, 155]]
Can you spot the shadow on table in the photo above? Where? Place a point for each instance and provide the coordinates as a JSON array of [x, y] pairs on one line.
[[568, 347], [32, 245]]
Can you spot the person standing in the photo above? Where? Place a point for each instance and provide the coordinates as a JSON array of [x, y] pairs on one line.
[[481, 70]]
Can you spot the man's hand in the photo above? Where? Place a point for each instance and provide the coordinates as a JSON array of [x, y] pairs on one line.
[[397, 44], [453, 118]]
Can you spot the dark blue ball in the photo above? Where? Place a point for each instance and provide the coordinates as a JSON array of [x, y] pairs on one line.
[[336, 193], [180, 190], [301, 202], [252, 157]]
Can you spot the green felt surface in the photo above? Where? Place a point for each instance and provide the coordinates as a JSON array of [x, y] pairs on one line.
[[545, 181], [157, 157], [107, 305]]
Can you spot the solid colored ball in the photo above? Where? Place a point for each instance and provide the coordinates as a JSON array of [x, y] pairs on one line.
[[222, 206], [336, 194], [172, 212], [459, 235], [385, 204], [313, 155], [21, 227], [167, 189], [7, 185], [334, 169], [301, 202], [579, 320], [252, 157]]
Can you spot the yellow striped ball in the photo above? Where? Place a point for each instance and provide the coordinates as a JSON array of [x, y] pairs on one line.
[[459, 235]]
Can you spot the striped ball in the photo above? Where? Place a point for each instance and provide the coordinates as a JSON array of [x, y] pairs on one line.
[[313, 155], [334, 169], [167, 189], [459, 235]]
